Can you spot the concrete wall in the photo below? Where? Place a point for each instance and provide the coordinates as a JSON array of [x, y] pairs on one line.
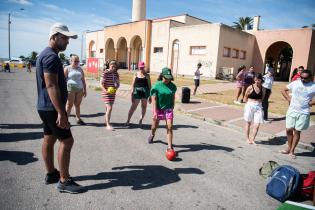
[[311, 56], [196, 35], [98, 38], [160, 38], [299, 39], [234, 39]]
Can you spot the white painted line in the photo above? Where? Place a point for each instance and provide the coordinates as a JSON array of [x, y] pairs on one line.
[[234, 120], [209, 107]]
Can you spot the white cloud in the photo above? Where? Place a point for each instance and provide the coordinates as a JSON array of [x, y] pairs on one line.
[[22, 2]]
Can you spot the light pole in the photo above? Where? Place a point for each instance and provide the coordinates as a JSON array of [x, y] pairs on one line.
[[83, 33], [9, 23]]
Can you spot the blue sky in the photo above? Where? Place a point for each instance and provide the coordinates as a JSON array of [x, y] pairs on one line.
[[30, 28]]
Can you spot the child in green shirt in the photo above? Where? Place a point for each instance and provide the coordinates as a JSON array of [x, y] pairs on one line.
[[163, 100]]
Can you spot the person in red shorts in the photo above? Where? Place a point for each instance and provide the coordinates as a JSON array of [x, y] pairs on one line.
[[163, 101]]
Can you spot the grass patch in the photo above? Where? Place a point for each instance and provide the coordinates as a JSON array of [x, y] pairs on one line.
[[126, 78], [277, 103]]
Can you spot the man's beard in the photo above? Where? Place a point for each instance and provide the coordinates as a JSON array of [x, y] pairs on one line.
[[61, 47]]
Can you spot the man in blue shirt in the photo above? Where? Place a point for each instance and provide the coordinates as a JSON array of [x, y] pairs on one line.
[[52, 97]]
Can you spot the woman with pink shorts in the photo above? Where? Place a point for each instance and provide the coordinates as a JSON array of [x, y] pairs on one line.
[[163, 100]]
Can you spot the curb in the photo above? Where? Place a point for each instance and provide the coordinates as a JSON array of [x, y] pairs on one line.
[[262, 135]]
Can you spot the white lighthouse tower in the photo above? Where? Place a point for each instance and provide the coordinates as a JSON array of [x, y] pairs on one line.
[[138, 10]]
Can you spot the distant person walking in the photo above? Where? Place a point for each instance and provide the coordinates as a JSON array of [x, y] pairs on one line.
[[109, 84], [76, 87], [51, 103], [248, 79], [29, 66], [298, 114], [140, 91], [267, 86], [7, 67], [163, 101], [239, 83], [197, 75], [253, 111]]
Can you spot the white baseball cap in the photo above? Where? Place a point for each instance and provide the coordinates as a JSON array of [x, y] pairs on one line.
[[63, 29]]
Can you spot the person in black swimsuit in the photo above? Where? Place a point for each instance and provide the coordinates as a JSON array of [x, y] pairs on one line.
[[253, 112], [140, 91]]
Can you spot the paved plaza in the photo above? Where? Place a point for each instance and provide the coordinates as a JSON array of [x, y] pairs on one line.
[[215, 168]]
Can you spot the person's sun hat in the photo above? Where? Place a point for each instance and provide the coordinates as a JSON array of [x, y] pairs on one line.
[[62, 29], [167, 73]]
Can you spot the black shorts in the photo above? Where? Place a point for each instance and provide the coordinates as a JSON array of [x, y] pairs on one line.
[[49, 119], [197, 82]]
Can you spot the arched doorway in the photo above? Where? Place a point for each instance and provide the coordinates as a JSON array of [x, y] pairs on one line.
[[122, 52], [175, 56], [279, 57], [136, 52], [109, 49], [92, 49]]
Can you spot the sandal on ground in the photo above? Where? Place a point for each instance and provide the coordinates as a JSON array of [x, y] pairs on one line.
[[150, 139]]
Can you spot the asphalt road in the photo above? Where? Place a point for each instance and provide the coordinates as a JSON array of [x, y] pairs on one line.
[[215, 168]]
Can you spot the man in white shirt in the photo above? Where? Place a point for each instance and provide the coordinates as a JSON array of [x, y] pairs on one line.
[[197, 78], [298, 114]]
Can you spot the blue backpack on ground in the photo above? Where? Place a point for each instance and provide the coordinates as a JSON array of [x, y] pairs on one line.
[[283, 182]]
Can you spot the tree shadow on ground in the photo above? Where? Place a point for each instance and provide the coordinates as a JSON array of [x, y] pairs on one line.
[[99, 114], [278, 140], [14, 137], [20, 126], [18, 157], [138, 177], [196, 147], [194, 102]]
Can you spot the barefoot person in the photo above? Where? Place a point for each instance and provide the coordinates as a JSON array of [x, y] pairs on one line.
[[76, 87], [140, 91], [253, 111], [197, 78], [298, 114], [109, 84], [51, 103], [163, 101], [239, 83]]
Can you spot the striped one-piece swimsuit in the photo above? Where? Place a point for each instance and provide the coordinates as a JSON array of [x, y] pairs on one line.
[[110, 79]]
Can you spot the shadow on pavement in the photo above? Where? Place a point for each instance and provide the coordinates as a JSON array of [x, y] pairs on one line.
[[18, 157], [276, 119], [13, 137], [137, 177], [20, 126], [306, 154], [279, 140], [118, 126], [197, 147], [93, 115], [210, 93]]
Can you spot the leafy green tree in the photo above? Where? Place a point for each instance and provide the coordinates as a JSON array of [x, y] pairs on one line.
[[33, 55], [242, 22], [62, 57], [22, 57]]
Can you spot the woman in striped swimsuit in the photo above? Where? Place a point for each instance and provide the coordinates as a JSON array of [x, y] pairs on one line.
[[109, 80]]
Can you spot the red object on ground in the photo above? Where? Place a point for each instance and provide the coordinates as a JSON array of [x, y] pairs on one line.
[[92, 65], [170, 154]]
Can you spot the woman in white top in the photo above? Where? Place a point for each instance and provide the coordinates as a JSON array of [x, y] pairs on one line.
[[197, 77], [76, 87], [267, 85]]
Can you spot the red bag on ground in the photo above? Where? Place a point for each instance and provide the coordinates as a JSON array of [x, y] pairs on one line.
[[308, 184]]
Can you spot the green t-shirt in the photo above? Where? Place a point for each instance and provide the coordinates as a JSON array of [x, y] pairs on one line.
[[164, 94]]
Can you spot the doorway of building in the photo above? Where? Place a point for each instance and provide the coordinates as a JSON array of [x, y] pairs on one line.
[[109, 50], [136, 52], [122, 52], [279, 57], [175, 57]]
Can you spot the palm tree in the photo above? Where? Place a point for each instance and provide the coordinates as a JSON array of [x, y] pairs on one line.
[[242, 22]]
